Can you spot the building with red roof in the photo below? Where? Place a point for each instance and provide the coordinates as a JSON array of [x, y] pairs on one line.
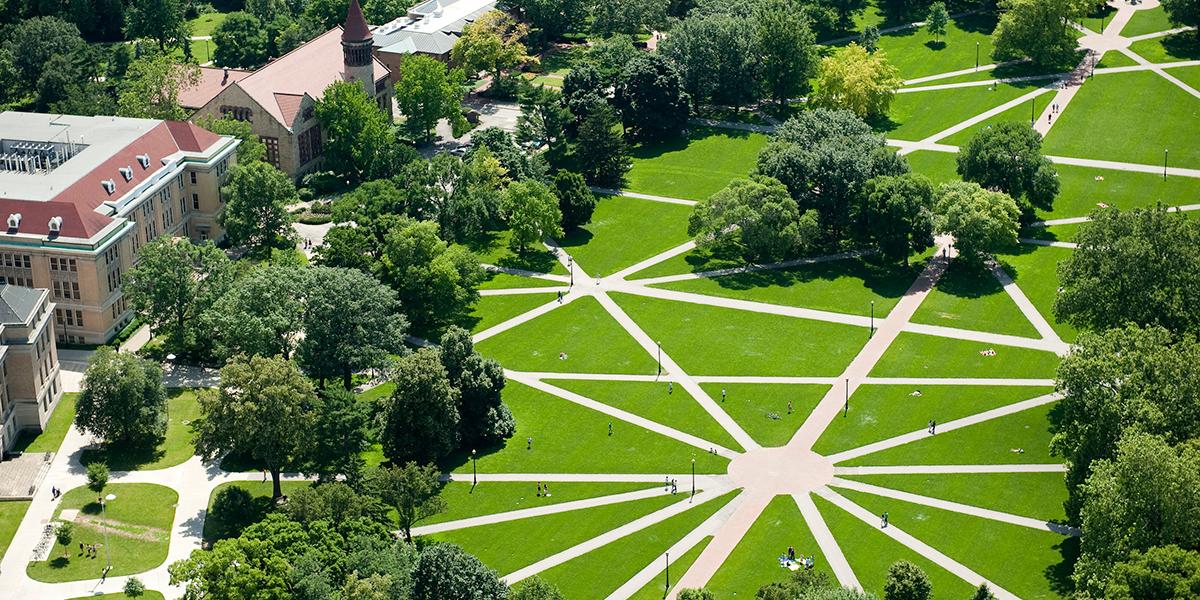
[[80, 195]]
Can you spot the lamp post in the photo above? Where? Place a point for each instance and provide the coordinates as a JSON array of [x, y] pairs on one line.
[[474, 476], [571, 266], [104, 513], [872, 318], [846, 409], [659, 344], [1033, 111], [976, 56], [693, 479], [1165, 164], [667, 587]]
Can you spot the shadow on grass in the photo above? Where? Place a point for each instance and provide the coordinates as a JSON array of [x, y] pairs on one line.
[[983, 22], [1059, 575], [491, 241], [936, 45], [124, 457], [1183, 46], [963, 281], [695, 134], [887, 281], [579, 236]]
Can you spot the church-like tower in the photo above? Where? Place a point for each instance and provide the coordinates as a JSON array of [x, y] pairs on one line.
[[356, 49]]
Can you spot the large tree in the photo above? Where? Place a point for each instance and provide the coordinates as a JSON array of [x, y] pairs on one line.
[[858, 81], [982, 221], [339, 435], [788, 50], [1140, 266], [825, 158], [350, 247], [159, 20], [360, 144], [173, 283], [262, 410], [937, 20], [758, 216], [413, 490], [435, 282], [1008, 157], [151, 87], [575, 200], [651, 99], [446, 572], [419, 421], [123, 401], [351, 323], [532, 212], [552, 17], [1185, 13], [491, 43], [1118, 380], [261, 314], [535, 588], [428, 92], [484, 419], [1167, 572], [1145, 496], [628, 16], [583, 88], [1039, 30], [718, 58], [241, 41], [906, 581], [897, 215], [31, 43], [543, 118], [256, 208]]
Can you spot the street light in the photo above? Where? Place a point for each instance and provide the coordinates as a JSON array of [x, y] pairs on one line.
[[659, 343], [846, 409], [872, 318], [104, 514], [1165, 164], [667, 588], [474, 477], [571, 266], [976, 56], [693, 479]]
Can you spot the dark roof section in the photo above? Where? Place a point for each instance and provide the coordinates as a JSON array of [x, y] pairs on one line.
[[17, 304], [356, 28]]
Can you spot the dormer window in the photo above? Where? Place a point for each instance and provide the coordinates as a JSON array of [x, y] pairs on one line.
[[144, 160], [110, 186], [14, 221], [55, 224], [127, 173]]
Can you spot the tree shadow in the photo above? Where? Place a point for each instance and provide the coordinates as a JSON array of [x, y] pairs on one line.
[[577, 237], [1059, 574], [1183, 46], [965, 281], [122, 457], [936, 45], [653, 150], [886, 281], [59, 562], [981, 22], [489, 242]]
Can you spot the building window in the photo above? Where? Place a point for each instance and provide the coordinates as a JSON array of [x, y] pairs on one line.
[[310, 144], [195, 201], [308, 113], [238, 113], [272, 145], [193, 175]]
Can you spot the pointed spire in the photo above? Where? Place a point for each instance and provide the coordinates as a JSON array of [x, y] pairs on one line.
[[356, 28]]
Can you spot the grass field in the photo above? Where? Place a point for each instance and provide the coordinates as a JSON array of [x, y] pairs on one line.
[[917, 115], [174, 449], [761, 409], [139, 520], [1036, 495], [696, 260], [915, 53], [493, 310], [512, 545], [624, 231], [676, 409], [657, 589], [493, 249], [1023, 113], [1092, 128], [205, 24], [753, 562], [694, 168], [1082, 189], [592, 340], [702, 339], [1147, 21], [504, 281], [939, 167], [568, 438], [1035, 270], [600, 572], [870, 553], [464, 501], [1026, 562], [879, 412], [11, 513], [1019, 438], [50, 438], [1174, 48], [846, 286], [917, 355], [973, 299]]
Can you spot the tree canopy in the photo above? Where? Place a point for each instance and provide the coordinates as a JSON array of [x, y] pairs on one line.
[[759, 216], [651, 99], [853, 79], [420, 419], [122, 401], [435, 282], [428, 92], [256, 208], [532, 213], [1039, 30], [173, 283], [982, 222], [360, 144], [446, 572], [1008, 157], [897, 215]]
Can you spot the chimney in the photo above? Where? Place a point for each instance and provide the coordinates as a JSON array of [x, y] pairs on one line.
[[225, 76]]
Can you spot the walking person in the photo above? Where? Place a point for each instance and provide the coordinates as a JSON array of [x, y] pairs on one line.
[[933, 428], [722, 394], [670, 387], [884, 521]]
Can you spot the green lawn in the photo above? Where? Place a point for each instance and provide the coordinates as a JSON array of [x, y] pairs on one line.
[[50, 438], [1024, 113], [1082, 189], [378, 392], [703, 339], [1053, 233], [1188, 75], [464, 501], [973, 299], [504, 281], [916, 54], [917, 355], [1174, 48], [696, 260], [1027, 562], [992, 442], [215, 523], [939, 167], [1093, 126], [600, 572], [1113, 58], [201, 51], [11, 513], [139, 522], [657, 589], [1035, 270], [879, 412], [870, 553], [568, 438], [624, 231], [493, 310], [176, 448], [846, 286], [509, 546], [917, 115], [1147, 21], [754, 561], [147, 595], [1035, 495], [205, 24], [592, 340], [761, 409], [493, 249], [651, 400], [697, 167]]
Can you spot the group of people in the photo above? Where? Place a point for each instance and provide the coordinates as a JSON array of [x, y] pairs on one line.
[[88, 550], [790, 562], [671, 484], [543, 490]]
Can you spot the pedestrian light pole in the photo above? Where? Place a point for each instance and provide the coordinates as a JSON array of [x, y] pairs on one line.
[[693, 479], [1165, 151], [474, 476], [104, 513], [667, 587], [659, 344], [872, 318], [571, 266], [846, 409], [976, 56]]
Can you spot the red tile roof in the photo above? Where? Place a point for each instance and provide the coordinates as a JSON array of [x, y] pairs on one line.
[[289, 105], [212, 81], [356, 28], [78, 221]]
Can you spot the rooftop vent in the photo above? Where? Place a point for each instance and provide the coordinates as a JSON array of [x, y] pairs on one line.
[[127, 173], [144, 160], [110, 186], [55, 224], [14, 221]]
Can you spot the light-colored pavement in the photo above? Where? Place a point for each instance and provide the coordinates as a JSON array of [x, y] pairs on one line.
[[949, 469], [665, 199]]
